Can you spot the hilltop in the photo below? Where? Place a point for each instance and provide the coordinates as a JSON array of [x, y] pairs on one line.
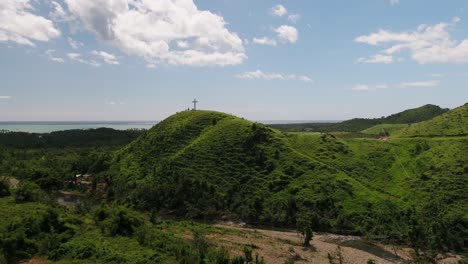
[[452, 123], [210, 164], [415, 115]]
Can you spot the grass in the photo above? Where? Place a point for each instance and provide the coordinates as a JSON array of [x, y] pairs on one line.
[[452, 123], [384, 128]]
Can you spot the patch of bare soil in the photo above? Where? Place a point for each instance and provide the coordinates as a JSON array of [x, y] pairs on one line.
[[278, 246]]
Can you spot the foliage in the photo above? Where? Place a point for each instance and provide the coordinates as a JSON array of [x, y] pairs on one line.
[[409, 116], [452, 123], [28, 192], [4, 187], [69, 138]]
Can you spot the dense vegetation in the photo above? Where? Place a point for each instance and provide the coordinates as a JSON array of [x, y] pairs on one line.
[[51, 160], [453, 123], [68, 138], [409, 116], [207, 165], [409, 189], [104, 234]]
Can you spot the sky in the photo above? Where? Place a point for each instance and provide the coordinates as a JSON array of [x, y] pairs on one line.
[[72, 60]]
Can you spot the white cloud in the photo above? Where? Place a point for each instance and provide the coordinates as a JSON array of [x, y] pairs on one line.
[[264, 41], [74, 44], [287, 33], [394, 2], [294, 18], [150, 66], [427, 44], [18, 24], [5, 97], [152, 29], [419, 84], [51, 57], [365, 87], [78, 58], [378, 58], [59, 13], [279, 10], [258, 74], [111, 101], [106, 57], [183, 44]]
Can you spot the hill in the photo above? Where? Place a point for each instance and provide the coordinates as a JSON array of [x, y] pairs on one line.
[[415, 115], [452, 123], [210, 165], [206, 164], [387, 129]]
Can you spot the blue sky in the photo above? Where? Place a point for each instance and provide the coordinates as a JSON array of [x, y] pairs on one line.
[[262, 60]]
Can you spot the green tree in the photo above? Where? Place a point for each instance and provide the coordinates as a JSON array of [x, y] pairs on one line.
[[4, 187], [28, 192]]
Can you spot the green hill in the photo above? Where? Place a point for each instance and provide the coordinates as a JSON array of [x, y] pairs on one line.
[[415, 115], [452, 123], [388, 129], [210, 165]]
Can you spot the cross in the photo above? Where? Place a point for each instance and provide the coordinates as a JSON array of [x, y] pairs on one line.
[[194, 104]]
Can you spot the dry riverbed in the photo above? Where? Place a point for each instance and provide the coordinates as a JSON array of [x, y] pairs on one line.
[[278, 246]]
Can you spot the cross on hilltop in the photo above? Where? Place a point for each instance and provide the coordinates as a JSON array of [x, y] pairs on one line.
[[194, 104]]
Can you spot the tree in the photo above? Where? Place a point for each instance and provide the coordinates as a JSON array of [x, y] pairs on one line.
[[28, 192], [4, 187], [304, 225]]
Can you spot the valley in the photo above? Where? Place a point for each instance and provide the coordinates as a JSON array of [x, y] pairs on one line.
[[388, 193]]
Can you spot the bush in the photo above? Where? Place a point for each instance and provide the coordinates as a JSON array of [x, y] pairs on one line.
[[4, 187], [117, 220], [28, 192]]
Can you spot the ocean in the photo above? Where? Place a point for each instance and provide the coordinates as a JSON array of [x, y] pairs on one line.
[[51, 126]]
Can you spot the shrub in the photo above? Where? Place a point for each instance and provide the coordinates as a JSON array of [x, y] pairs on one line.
[[28, 192], [4, 187]]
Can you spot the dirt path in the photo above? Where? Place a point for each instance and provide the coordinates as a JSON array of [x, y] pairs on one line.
[[278, 246]]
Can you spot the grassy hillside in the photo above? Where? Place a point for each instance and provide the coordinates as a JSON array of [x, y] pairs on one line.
[[452, 123], [209, 164], [203, 164], [382, 129], [419, 114]]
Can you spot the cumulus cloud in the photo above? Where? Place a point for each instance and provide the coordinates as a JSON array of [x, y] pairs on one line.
[[264, 41], [378, 58], [287, 33], [51, 57], [5, 97], [258, 74], [106, 57], [154, 30], [78, 58], [19, 25], [418, 84], [279, 10], [427, 44]]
